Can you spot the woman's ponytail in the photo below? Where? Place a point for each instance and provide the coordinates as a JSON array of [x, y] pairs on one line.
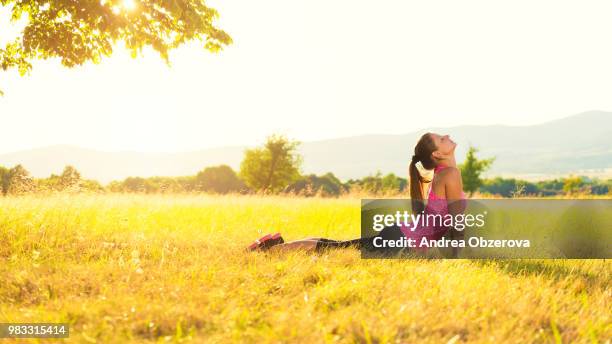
[[416, 187], [422, 153]]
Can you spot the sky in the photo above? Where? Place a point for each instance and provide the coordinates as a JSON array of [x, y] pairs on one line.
[[318, 69]]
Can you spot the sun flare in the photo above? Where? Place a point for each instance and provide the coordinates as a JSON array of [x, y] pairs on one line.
[[129, 4]]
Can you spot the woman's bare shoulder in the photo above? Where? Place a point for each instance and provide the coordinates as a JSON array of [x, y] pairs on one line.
[[450, 173]]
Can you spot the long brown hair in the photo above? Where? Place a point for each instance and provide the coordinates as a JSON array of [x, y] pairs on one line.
[[422, 153]]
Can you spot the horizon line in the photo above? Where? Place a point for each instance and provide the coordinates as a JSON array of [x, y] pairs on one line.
[[244, 146]]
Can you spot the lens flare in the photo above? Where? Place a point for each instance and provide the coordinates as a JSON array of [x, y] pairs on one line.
[[129, 4]]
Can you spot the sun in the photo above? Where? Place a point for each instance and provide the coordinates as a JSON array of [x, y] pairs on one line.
[[129, 4]]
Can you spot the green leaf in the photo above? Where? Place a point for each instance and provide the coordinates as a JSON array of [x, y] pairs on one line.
[[85, 30]]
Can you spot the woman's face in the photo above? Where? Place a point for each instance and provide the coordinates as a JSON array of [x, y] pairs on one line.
[[446, 146]]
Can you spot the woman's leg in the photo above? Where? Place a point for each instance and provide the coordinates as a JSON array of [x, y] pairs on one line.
[[318, 244], [304, 244]]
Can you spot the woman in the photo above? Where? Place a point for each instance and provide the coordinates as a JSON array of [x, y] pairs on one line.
[[434, 152]]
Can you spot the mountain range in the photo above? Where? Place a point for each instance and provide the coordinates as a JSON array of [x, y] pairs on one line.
[[576, 144]]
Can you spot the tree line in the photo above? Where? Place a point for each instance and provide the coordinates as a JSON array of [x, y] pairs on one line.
[[275, 168]]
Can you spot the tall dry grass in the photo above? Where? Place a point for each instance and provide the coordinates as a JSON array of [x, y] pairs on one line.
[[136, 268]]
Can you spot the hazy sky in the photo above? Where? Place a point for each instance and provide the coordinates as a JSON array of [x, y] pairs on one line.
[[318, 69]]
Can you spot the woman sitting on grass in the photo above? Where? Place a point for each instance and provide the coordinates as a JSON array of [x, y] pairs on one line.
[[435, 152]]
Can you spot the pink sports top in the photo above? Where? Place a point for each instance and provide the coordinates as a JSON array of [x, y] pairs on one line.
[[435, 205]]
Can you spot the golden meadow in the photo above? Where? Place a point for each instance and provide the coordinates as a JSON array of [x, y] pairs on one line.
[[171, 268]]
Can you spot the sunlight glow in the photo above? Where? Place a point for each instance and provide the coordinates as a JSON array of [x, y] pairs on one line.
[[429, 69], [129, 4]]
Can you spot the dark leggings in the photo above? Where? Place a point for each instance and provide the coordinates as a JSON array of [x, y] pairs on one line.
[[388, 233]]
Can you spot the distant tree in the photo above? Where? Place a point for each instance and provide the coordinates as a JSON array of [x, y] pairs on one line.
[[162, 185], [572, 184], [89, 185], [550, 187], [115, 186], [70, 179], [135, 184], [472, 168], [156, 184], [19, 181], [272, 167], [186, 183], [600, 189], [391, 182], [379, 184], [81, 30], [332, 185], [507, 187], [372, 184], [498, 186], [220, 179], [4, 180], [313, 185]]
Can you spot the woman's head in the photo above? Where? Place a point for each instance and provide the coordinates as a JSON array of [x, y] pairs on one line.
[[445, 147], [431, 150]]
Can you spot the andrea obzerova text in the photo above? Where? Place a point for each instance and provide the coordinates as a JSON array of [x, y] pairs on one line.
[[425, 242]]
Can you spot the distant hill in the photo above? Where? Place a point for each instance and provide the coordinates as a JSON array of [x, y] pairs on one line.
[[582, 142]]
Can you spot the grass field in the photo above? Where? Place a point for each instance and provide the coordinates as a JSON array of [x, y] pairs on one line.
[[171, 268]]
